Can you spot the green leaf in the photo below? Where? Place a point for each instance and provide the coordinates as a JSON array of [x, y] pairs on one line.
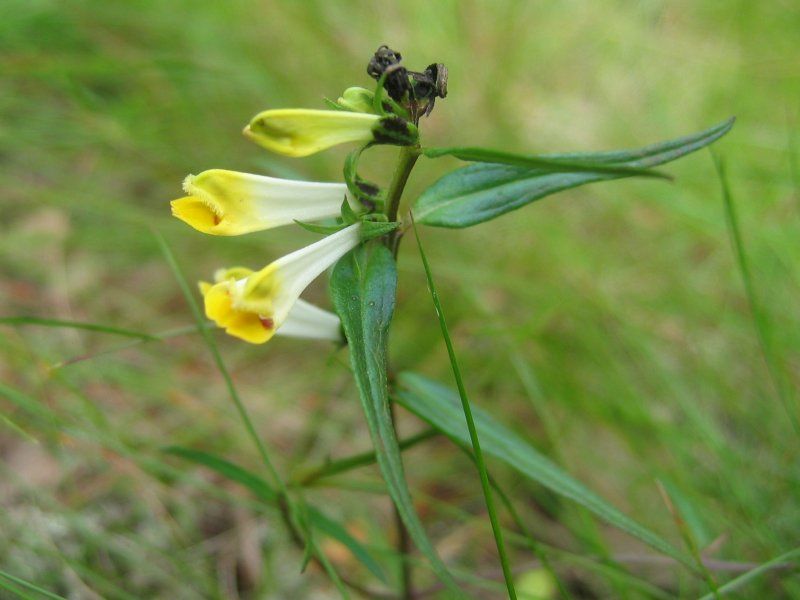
[[483, 191], [372, 229], [363, 286], [439, 406], [545, 163], [315, 228], [264, 492], [349, 216]]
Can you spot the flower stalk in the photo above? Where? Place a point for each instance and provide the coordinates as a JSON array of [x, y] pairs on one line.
[[405, 164]]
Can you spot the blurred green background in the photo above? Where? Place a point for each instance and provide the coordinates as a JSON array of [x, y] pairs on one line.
[[609, 324]]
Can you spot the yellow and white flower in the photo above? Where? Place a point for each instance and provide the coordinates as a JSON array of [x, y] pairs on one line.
[[223, 202], [254, 305], [300, 131]]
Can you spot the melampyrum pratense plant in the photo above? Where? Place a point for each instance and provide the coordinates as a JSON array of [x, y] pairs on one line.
[[363, 224]]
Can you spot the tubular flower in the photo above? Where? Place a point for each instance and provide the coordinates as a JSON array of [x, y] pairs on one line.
[[223, 202], [253, 305], [300, 132]]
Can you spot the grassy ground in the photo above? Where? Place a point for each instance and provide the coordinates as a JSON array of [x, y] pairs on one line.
[[609, 325]]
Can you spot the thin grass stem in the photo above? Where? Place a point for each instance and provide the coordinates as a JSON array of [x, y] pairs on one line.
[[473, 432], [759, 318], [212, 346]]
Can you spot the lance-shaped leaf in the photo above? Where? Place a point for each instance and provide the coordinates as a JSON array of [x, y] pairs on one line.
[[363, 286], [548, 163], [485, 190], [440, 406]]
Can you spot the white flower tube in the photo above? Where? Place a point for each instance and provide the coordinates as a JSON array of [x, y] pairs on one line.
[[231, 203], [254, 305], [311, 322]]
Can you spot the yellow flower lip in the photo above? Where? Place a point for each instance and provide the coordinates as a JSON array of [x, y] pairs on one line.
[[301, 132], [247, 326], [199, 209], [193, 211]]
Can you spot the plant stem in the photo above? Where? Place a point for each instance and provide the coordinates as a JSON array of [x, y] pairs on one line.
[[473, 432], [403, 539], [405, 163], [360, 460]]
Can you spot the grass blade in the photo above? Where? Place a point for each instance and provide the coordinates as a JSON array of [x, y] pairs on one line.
[[28, 586], [262, 490], [778, 562], [27, 320], [759, 317], [473, 432], [155, 337], [329, 469], [240, 408]]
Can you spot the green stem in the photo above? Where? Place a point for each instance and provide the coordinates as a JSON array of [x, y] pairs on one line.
[[473, 432], [405, 163], [403, 538], [212, 346], [528, 537], [360, 460]]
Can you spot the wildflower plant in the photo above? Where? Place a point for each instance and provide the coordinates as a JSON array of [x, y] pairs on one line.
[[362, 224]]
